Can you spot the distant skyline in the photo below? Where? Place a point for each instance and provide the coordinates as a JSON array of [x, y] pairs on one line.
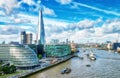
[[78, 20]]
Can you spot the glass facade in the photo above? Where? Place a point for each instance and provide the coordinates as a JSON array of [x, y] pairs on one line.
[[29, 38], [57, 50], [20, 56], [23, 37], [41, 31], [4, 53]]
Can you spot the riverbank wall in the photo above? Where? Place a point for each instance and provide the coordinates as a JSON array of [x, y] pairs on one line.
[[24, 75]]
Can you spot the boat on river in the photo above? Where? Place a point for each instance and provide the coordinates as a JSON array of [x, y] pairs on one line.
[[65, 70], [91, 55], [118, 49]]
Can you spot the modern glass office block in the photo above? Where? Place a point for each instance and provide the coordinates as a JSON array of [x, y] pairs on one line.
[[57, 50]]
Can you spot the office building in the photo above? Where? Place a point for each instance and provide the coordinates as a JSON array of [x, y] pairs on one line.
[[26, 38], [57, 50], [73, 47], [19, 55], [29, 38], [40, 39], [41, 32], [23, 37], [115, 45]]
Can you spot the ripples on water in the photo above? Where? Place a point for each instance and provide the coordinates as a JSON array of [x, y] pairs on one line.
[[107, 65]]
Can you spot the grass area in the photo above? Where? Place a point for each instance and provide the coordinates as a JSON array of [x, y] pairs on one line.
[[13, 74]]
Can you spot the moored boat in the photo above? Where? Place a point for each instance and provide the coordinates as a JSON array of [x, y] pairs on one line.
[[65, 70], [118, 49], [92, 56]]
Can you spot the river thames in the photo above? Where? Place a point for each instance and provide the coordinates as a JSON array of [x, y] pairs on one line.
[[106, 65]]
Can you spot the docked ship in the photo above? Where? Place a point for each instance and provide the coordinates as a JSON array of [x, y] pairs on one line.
[[65, 70], [92, 56], [118, 49]]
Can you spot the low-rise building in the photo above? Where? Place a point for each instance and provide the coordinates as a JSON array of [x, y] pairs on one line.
[[73, 47], [115, 46]]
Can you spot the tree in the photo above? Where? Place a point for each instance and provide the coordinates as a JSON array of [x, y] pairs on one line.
[[39, 56], [12, 69], [1, 70], [8, 69], [5, 69]]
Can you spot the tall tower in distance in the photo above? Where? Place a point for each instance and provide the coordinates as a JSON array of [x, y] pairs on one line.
[[26, 38], [23, 37], [41, 32], [29, 38]]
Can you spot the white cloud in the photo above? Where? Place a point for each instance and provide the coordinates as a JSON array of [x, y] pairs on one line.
[[82, 36], [22, 20], [8, 5], [109, 37], [5, 19], [29, 2], [64, 1], [39, 1], [88, 32], [86, 23], [9, 38], [83, 24], [109, 27], [108, 31], [56, 22], [81, 31], [2, 13], [48, 11], [32, 19], [9, 30], [97, 9], [12, 33], [61, 36], [76, 31], [54, 26]]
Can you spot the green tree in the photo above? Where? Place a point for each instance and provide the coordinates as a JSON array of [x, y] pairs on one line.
[[5, 69], [8, 69], [39, 56], [0, 70], [12, 69]]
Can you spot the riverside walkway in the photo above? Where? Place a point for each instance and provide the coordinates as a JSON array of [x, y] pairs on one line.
[[43, 66]]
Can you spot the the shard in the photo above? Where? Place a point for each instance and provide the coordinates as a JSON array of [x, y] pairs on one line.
[[41, 31]]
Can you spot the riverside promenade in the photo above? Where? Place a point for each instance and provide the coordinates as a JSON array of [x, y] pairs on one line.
[[106, 65], [40, 68]]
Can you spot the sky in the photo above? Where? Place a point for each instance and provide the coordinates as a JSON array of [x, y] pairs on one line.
[[80, 21]]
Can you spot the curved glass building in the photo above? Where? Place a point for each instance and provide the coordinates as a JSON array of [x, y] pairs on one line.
[[20, 55]]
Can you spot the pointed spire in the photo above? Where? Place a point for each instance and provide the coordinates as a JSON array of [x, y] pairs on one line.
[[41, 32]]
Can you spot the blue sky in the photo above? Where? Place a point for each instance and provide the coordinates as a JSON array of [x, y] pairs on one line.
[[78, 20]]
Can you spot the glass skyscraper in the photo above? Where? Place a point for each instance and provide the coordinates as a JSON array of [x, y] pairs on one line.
[[41, 32], [23, 37], [26, 38], [29, 38]]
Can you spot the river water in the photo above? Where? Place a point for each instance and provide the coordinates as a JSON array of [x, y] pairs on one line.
[[107, 65]]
